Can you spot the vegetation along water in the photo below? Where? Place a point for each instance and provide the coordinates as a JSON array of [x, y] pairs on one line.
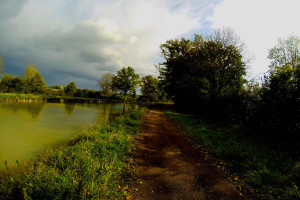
[[204, 76], [93, 165], [29, 128]]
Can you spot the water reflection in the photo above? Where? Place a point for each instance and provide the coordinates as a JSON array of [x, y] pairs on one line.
[[33, 110], [69, 108], [29, 128]]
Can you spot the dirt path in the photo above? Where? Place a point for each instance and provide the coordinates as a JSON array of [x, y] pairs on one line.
[[168, 167]]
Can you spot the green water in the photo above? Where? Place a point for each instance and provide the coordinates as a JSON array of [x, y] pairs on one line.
[[29, 128]]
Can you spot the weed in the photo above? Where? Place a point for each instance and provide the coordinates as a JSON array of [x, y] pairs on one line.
[[92, 166], [267, 172]]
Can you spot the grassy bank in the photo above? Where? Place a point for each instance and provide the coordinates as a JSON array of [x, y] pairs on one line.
[[256, 168], [94, 165], [17, 96]]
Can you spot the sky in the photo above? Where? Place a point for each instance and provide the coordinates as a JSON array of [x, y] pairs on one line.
[[79, 40]]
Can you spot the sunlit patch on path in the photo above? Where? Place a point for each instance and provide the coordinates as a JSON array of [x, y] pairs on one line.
[[168, 167]]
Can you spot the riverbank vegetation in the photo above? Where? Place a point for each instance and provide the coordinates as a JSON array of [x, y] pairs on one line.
[[257, 169], [94, 165], [206, 78], [20, 97], [120, 87]]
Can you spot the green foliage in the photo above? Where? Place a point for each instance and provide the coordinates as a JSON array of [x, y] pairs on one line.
[[14, 96], [127, 80], [149, 88], [94, 165], [33, 80], [92, 94], [200, 70], [258, 169], [84, 93], [11, 84], [55, 91], [6, 83], [18, 85], [107, 83], [286, 52], [277, 113], [70, 89]]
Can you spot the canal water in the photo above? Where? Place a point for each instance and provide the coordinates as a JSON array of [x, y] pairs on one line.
[[29, 128]]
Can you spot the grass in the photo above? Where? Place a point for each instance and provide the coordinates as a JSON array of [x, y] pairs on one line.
[[94, 165], [51, 98], [17, 96], [257, 169], [20, 96]]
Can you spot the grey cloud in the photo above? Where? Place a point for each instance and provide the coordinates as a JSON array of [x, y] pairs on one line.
[[80, 47], [10, 8]]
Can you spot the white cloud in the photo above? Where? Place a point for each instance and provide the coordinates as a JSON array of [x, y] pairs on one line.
[[79, 39], [259, 23]]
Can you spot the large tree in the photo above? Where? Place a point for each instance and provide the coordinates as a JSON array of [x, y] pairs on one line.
[[149, 88], [70, 89], [34, 81], [127, 80], [279, 108], [201, 69], [227, 37], [106, 82], [287, 51]]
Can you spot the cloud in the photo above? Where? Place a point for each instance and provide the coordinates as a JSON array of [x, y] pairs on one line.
[[79, 40], [260, 24], [9, 8]]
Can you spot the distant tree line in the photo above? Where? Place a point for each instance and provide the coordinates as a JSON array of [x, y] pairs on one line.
[[31, 82], [121, 86], [126, 81], [206, 76]]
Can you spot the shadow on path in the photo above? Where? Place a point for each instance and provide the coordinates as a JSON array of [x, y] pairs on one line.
[[168, 167]]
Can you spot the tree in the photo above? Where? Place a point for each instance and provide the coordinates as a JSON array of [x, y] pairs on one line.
[[201, 68], [6, 83], [278, 111], [127, 80], [18, 85], [70, 89], [149, 88], [106, 82], [225, 68], [203, 74], [227, 37], [34, 81], [11, 84], [286, 52]]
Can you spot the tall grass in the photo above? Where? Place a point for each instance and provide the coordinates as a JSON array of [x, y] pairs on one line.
[[19, 96], [266, 172], [94, 165]]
